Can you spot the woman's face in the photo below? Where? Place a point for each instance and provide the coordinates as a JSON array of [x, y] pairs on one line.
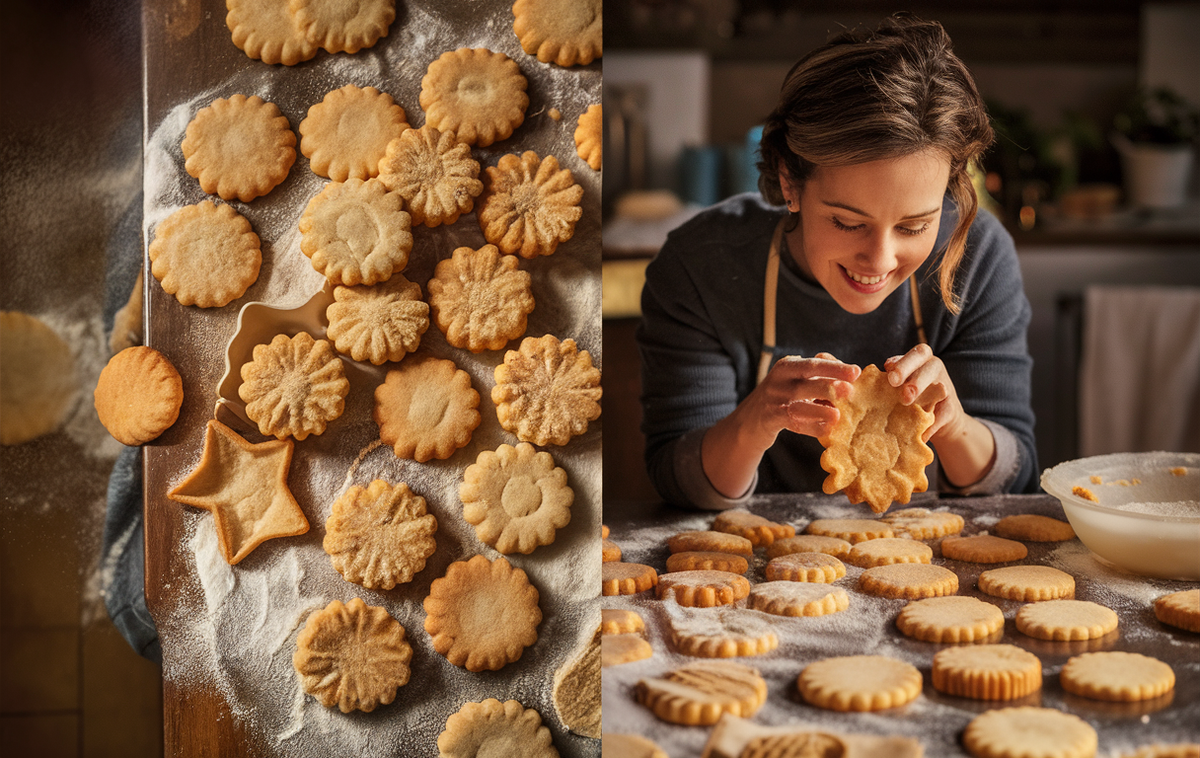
[[866, 228]]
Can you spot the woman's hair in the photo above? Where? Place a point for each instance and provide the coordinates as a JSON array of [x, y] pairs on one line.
[[888, 93]]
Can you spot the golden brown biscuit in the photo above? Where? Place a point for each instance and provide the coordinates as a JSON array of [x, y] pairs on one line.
[[709, 542], [923, 524], [725, 633], [852, 530], [758, 530], [434, 173], [912, 581], [694, 560], [378, 323], [245, 487], [426, 408], [875, 452], [1179, 609], [785, 598], [566, 32], [352, 655], [1028, 731], [138, 395], [356, 232], [1065, 620], [294, 386], [1031, 527], [205, 255], [983, 548], [343, 27], [589, 136], [952, 619], [1028, 583], [702, 589], [1160, 750], [547, 391], [809, 543], [346, 135], [609, 551], [475, 93], [987, 672], [616, 649], [577, 690], [516, 498], [615, 745], [239, 147], [490, 728], [379, 536], [859, 683], [480, 299], [619, 578], [889, 550], [620, 621], [805, 567], [698, 693], [37, 378], [266, 30], [529, 204], [482, 614], [1117, 676]]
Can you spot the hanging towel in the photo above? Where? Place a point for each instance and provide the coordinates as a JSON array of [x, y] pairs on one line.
[[1139, 384]]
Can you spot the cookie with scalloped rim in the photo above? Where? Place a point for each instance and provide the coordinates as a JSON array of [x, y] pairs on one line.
[[434, 173], [620, 578], [702, 589], [426, 408], [694, 560], [378, 323], [725, 633], [699, 693], [476, 93], [346, 135], [508, 728], [546, 391], [1032, 527], [950, 619], [911, 581], [987, 672], [565, 32], [706, 541], [294, 386], [760, 531], [480, 299], [266, 30], [338, 27], [356, 232], [589, 136], [805, 567], [621, 621], [809, 543], [616, 649], [859, 683], [852, 530], [609, 550], [1027, 583], [37, 372], [983, 548], [888, 550], [239, 147], [205, 255], [786, 598], [923, 524], [1179, 609], [1117, 676], [379, 535], [516, 498], [1066, 620], [529, 204], [1029, 731]]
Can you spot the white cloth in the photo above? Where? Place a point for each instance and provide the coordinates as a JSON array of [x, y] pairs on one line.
[[1139, 384]]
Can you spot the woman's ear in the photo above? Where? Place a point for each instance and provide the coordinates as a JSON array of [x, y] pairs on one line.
[[791, 193]]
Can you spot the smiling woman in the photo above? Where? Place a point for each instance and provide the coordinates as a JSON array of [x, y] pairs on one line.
[[880, 256]]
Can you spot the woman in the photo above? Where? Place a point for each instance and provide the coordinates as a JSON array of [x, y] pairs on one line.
[[865, 244]]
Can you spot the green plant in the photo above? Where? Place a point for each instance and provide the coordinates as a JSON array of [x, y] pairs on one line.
[[1159, 116]]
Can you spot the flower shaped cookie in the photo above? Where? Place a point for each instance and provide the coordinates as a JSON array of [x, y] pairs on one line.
[[434, 173], [339, 27], [547, 391], [380, 323], [475, 93], [346, 134], [589, 136], [426, 408], [480, 299], [529, 205], [379, 536], [294, 386], [566, 32], [356, 232], [516, 498]]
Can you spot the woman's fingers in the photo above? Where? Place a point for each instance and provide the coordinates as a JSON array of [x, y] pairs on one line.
[[813, 419]]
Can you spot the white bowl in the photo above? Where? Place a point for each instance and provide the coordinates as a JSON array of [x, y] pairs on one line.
[[1147, 518]]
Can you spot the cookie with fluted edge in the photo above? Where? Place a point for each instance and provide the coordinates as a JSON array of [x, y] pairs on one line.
[[37, 378], [547, 391], [699, 693], [1029, 731], [1179, 609], [620, 621], [480, 299], [725, 633], [378, 323], [1027, 583], [476, 93], [1031, 527], [589, 136], [859, 683], [1163, 750], [760, 531], [529, 204], [565, 32], [294, 386], [346, 135], [356, 232], [239, 147], [267, 31], [434, 173], [694, 560], [507, 728], [912, 581], [616, 649], [852, 530], [138, 395], [983, 548], [702, 589], [889, 550], [1117, 676], [809, 543], [786, 598], [609, 550], [1066, 620], [621, 578], [987, 672], [950, 619], [205, 255], [516, 498], [379, 535], [426, 408], [805, 567], [923, 524], [709, 542], [343, 27]]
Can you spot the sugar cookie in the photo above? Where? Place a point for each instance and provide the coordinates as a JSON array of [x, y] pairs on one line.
[[529, 204], [726, 633], [889, 550], [434, 173], [609, 550], [859, 683], [616, 649], [620, 621], [1028, 583], [923, 524], [547, 391], [577, 690], [987, 672], [341, 27], [475, 93], [805, 567], [908, 580], [616, 745], [138, 395], [852, 530], [589, 136], [378, 323], [1160, 750], [698, 693], [1030, 732], [1031, 527], [356, 232], [619, 578], [566, 32], [352, 655], [809, 543], [707, 561], [702, 589], [267, 31], [983, 548], [426, 408], [294, 386], [786, 598], [950, 619], [492, 728], [205, 254], [1179, 609], [709, 542], [1117, 676], [379, 536], [480, 299], [239, 147], [346, 135], [1065, 620], [758, 530], [516, 498], [482, 614], [37, 378]]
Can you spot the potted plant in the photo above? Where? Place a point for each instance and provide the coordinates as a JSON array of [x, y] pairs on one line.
[[1155, 136]]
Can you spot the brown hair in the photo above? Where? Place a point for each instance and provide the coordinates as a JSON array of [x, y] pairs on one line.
[[887, 93]]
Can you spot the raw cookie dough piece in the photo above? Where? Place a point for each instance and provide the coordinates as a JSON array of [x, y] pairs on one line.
[[923, 524], [547, 391], [1031, 527], [623, 648], [138, 395], [516, 498], [609, 550], [620, 621], [786, 598], [266, 30], [205, 254], [805, 567], [1117, 676], [908, 580], [1028, 583], [1066, 620], [703, 589], [809, 543], [37, 378], [529, 205], [434, 173], [1029, 732], [239, 148], [983, 548], [577, 690], [760, 531], [352, 655], [875, 452], [426, 408], [379, 536], [614, 745], [727, 633], [859, 683], [950, 619], [709, 542], [339, 27], [480, 299], [987, 672], [566, 32], [852, 530], [347, 134], [491, 728], [698, 693], [1179, 609], [475, 93], [378, 323], [619, 578], [589, 136], [482, 614], [889, 550], [294, 386], [707, 561], [356, 232]]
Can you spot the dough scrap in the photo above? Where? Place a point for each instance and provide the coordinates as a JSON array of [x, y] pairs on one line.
[[623, 648], [577, 690]]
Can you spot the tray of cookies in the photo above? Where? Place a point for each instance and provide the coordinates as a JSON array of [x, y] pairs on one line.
[[374, 256]]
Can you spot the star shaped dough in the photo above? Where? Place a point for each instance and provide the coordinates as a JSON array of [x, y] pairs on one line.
[[245, 487]]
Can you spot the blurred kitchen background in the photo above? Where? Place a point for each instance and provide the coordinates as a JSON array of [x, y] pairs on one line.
[[1095, 106]]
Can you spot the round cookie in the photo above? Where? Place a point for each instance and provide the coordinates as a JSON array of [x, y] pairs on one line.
[[343, 27], [426, 408], [983, 548], [709, 542], [480, 299], [529, 205], [267, 31], [494, 728], [1116, 676], [859, 683], [516, 498], [852, 530], [619, 578], [923, 524], [1179, 609], [565, 32], [356, 232], [475, 93], [37, 378], [546, 391], [346, 135], [589, 136], [809, 543], [239, 147], [620, 621], [1029, 732], [727, 633], [805, 567], [379, 536], [434, 173], [888, 550], [205, 255], [702, 589], [616, 649], [987, 672], [294, 386], [760, 531], [611, 551], [908, 580], [1031, 527], [378, 323], [699, 693], [1065, 620], [950, 619], [1028, 583], [787, 598], [707, 561], [138, 395]]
